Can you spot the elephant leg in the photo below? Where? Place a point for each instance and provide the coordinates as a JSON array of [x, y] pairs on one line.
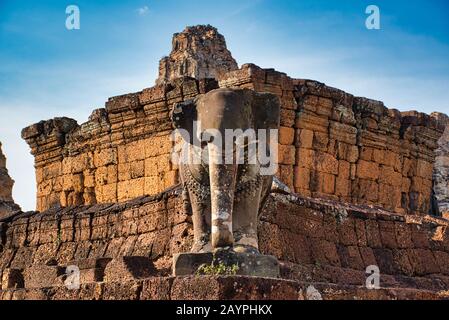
[[246, 208], [222, 184], [199, 196]]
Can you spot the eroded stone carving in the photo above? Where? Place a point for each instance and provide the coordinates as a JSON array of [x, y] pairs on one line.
[[225, 197], [198, 52], [226, 192]]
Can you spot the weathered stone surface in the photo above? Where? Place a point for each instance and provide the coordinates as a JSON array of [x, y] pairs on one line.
[[255, 265], [11, 279], [314, 240], [198, 52], [185, 264], [128, 268], [7, 205], [220, 289], [441, 168], [43, 276]]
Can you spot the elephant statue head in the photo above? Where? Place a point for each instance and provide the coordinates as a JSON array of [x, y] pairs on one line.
[[228, 158]]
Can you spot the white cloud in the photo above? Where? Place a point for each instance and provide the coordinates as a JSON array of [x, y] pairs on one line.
[[143, 11]]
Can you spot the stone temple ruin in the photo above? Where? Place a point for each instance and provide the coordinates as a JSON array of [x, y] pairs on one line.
[[357, 185], [7, 205]]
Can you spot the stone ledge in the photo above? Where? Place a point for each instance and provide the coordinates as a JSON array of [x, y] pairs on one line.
[[218, 288]]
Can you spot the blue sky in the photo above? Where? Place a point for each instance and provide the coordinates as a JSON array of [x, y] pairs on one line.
[[48, 71]]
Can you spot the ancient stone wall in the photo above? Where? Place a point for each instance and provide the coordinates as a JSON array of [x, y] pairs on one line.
[[315, 240], [7, 205], [347, 148], [122, 152], [332, 144]]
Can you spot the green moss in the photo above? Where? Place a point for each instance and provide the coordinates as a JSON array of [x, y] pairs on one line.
[[217, 270]]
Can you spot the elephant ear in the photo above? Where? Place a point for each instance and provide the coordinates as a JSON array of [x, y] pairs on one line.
[[183, 115], [266, 110]]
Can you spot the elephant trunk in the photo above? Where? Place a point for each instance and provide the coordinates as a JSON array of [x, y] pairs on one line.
[[222, 184]]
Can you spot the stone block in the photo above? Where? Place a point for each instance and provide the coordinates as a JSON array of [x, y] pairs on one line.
[[304, 138], [367, 170], [11, 279], [302, 178], [286, 155], [122, 269], [286, 135], [248, 264], [43, 276]]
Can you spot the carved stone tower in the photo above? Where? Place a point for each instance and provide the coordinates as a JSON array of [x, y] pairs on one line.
[[198, 52]]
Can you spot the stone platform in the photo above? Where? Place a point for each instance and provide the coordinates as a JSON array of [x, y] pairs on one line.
[[245, 264], [217, 288]]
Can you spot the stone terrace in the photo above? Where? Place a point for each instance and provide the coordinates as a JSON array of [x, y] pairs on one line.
[[316, 241]]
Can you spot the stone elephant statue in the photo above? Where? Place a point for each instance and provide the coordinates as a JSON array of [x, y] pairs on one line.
[[226, 181]]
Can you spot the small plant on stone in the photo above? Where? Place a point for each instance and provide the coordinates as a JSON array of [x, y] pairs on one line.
[[217, 270], [58, 239]]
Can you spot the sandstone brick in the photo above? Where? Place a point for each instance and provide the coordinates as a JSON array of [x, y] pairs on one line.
[[310, 102], [310, 121], [325, 252], [368, 257], [156, 165], [78, 182], [367, 170], [402, 262], [287, 117], [405, 185], [325, 103], [105, 157], [171, 178], [286, 175], [286, 155], [322, 182], [347, 233], [320, 141], [304, 138], [151, 185], [350, 257], [348, 152], [385, 261], [389, 196], [403, 235], [131, 152], [302, 178], [373, 234], [365, 190], [130, 189], [389, 176], [343, 132], [286, 135], [157, 146], [344, 169], [305, 158], [360, 231], [366, 153], [137, 169], [342, 187], [388, 234], [326, 163]]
